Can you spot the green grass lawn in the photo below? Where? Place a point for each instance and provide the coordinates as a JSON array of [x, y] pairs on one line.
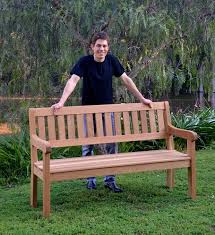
[[145, 206]]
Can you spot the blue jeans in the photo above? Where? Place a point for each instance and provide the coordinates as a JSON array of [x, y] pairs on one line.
[[110, 148]]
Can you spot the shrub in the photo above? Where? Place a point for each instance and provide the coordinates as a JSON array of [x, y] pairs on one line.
[[201, 121], [14, 157]]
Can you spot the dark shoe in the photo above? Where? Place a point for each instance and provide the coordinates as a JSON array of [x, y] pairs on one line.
[[113, 187], [91, 185]]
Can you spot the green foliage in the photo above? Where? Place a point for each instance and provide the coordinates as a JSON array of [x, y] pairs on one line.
[[40, 40], [202, 121], [14, 157], [141, 145]]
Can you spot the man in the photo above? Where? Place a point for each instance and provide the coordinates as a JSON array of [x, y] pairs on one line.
[[97, 71]]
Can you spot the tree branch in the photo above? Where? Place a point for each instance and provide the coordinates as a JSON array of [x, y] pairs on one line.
[[143, 63]]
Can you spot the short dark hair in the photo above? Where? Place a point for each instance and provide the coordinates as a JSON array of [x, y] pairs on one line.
[[100, 35]]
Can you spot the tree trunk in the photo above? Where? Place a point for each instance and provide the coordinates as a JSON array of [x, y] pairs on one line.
[[213, 89], [200, 92]]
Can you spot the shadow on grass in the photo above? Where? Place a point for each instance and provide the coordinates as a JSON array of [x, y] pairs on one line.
[[137, 191]]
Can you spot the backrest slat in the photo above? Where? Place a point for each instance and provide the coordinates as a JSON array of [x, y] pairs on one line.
[[144, 124], [71, 126], [99, 125], [90, 125], [160, 120], [126, 121], [135, 122], [41, 128], [152, 121], [61, 127], [117, 123], [167, 119], [108, 124], [80, 126], [51, 128]]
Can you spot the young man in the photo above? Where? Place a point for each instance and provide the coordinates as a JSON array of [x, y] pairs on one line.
[[97, 71]]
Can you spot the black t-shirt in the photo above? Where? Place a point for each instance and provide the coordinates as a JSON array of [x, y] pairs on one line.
[[97, 78]]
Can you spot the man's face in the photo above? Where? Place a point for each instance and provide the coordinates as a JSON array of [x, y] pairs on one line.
[[100, 50]]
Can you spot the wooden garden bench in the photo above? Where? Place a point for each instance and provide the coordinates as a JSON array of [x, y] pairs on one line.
[[133, 122]]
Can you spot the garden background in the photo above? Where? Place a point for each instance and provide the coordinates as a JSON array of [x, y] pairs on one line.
[[167, 47]]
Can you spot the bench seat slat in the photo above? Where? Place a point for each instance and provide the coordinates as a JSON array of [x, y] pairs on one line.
[[104, 156], [79, 174], [104, 161], [107, 163]]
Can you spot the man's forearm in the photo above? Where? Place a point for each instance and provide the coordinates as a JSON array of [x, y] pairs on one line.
[[70, 86], [133, 89]]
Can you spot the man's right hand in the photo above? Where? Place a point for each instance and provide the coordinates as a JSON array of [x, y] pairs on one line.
[[57, 106]]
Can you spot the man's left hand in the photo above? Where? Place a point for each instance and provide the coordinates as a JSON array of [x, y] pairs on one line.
[[147, 102]]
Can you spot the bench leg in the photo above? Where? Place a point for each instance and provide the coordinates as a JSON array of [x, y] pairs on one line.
[[33, 190], [192, 182], [34, 178], [46, 185], [191, 170], [46, 199], [170, 178]]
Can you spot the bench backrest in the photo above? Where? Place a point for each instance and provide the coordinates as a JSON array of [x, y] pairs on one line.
[[132, 122]]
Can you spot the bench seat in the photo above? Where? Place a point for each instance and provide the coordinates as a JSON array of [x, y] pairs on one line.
[[79, 167]]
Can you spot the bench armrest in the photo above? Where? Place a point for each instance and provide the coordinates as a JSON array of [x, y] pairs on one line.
[[185, 134], [41, 144]]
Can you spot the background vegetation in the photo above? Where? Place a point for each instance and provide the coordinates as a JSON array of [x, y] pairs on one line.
[[168, 46]]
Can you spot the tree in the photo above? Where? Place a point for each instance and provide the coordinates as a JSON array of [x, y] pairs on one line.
[[164, 45]]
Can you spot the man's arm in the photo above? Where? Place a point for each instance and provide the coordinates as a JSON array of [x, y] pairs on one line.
[[70, 86], [133, 89]]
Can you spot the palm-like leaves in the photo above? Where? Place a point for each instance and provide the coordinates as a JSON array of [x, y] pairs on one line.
[[201, 121]]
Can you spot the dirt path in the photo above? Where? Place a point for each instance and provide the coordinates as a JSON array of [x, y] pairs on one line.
[[2, 98], [4, 129]]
